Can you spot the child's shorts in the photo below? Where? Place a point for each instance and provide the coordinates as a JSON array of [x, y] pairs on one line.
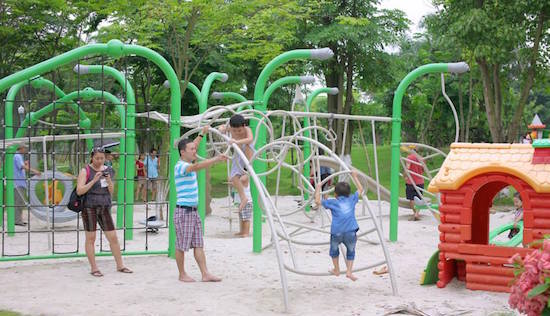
[[246, 213], [349, 239]]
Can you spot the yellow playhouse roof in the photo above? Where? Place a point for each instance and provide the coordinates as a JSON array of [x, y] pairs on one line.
[[467, 160]]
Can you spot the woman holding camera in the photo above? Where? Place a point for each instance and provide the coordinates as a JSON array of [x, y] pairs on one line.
[[96, 182]]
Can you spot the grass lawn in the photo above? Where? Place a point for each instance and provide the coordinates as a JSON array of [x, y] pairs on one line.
[[286, 186]]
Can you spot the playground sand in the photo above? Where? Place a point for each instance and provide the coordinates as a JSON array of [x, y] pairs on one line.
[[251, 282]]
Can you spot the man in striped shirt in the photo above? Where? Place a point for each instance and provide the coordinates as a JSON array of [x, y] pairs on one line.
[[187, 222]]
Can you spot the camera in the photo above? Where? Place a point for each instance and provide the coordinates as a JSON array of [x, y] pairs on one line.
[[105, 173]]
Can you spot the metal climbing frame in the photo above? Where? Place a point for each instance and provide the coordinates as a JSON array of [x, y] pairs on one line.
[[113, 49], [274, 153]]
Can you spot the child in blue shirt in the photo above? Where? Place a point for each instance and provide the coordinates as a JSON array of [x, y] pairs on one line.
[[344, 226]]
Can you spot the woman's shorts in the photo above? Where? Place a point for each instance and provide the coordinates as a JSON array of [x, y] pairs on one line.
[[97, 214]]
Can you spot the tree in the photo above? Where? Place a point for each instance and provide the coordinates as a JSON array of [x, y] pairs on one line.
[[509, 43], [357, 31]]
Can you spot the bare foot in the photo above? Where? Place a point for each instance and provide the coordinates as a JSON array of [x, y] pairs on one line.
[[351, 276], [241, 235], [186, 278], [335, 272], [210, 278]]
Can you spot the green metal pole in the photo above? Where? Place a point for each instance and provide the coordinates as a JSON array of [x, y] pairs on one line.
[[261, 105], [86, 94], [286, 81], [396, 131], [117, 49], [203, 105], [36, 82], [202, 100], [10, 151], [306, 145], [126, 170], [191, 86], [84, 122], [33, 117]]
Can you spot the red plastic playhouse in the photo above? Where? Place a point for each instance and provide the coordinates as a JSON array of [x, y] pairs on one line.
[[468, 180]]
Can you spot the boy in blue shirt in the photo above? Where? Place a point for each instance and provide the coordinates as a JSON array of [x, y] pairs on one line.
[[344, 226]]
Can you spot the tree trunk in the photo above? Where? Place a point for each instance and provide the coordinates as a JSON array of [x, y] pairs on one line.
[[529, 80], [461, 109], [348, 105], [469, 117], [498, 101], [492, 120]]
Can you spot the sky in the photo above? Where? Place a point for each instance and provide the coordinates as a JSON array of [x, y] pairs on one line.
[[414, 9]]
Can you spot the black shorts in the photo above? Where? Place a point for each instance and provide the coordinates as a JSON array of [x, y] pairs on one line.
[[411, 192], [97, 214]]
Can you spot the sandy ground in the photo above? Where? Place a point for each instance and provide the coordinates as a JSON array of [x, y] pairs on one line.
[[251, 282]]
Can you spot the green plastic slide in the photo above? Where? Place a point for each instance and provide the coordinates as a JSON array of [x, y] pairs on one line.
[[514, 242]]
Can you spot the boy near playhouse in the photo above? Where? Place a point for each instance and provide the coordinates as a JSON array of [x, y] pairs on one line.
[[518, 215], [187, 221], [344, 225], [415, 169]]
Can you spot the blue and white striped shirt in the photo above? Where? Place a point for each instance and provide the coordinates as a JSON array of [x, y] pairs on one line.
[[187, 188]]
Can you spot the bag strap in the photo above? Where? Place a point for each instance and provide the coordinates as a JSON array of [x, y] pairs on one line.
[[87, 173]]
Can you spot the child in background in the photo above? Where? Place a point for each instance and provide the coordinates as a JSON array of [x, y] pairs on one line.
[[518, 215], [344, 225], [141, 177]]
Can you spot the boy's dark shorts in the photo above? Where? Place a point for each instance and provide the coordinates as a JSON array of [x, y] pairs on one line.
[[411, 192]]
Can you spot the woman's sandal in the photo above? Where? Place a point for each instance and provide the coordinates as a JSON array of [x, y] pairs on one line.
[[96, 273], [125, 270]]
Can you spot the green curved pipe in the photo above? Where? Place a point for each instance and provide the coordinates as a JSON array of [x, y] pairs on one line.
[[232, 96], [36, 82], [191, 86], [284, 81], [117, 49], [86, 94], [202, 100], [125, 189], [261, 105], [396, 131], [203, 105]]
